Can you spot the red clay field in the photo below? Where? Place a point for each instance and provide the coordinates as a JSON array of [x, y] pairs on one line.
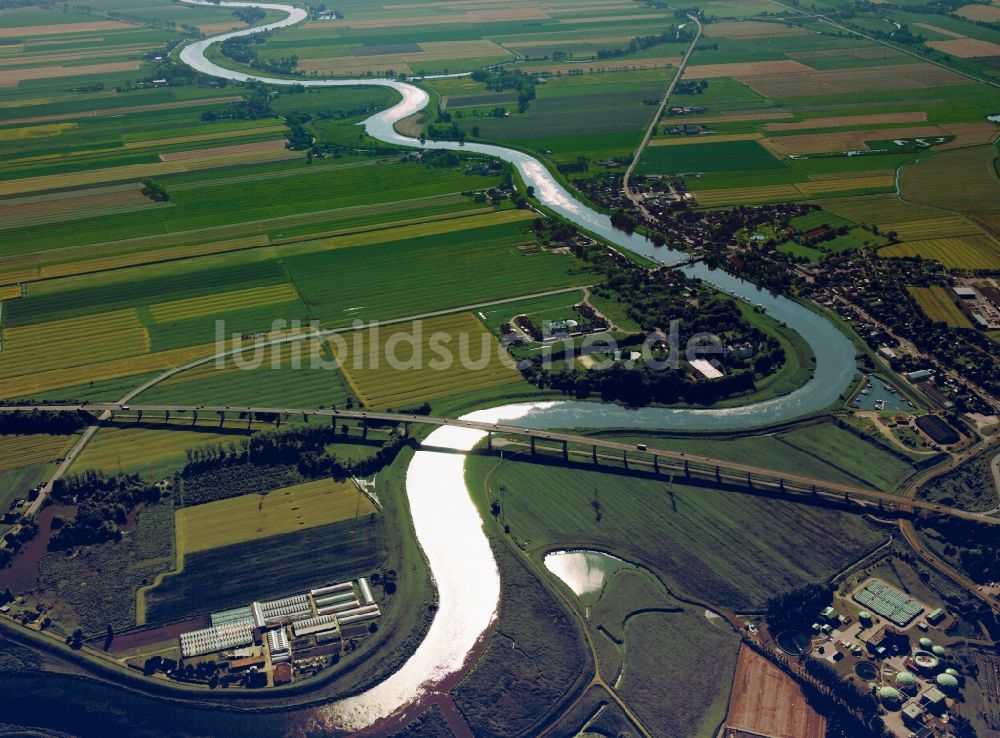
[[768, 702]]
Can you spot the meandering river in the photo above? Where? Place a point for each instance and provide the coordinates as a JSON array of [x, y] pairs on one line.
[[447, 523]]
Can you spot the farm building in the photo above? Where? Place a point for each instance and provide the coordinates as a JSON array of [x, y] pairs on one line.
[[965, 293], [919, 375]]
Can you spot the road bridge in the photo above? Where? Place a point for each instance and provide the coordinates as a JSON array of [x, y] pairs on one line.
[[676, 464]]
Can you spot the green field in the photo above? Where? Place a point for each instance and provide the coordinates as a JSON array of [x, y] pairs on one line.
[[729, 156], [687, 535], [938, 306], [824, 451]]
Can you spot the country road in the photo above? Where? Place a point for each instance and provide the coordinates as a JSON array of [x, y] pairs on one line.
[[656, 119]]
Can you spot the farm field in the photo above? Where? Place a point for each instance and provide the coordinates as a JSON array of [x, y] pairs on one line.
[[230, 576], [154, 449], [973, 182], [405, 364], [251, 517], [684, 535], [767, 701], [409, 38], [936, 304], [425, 273], [599, 116]]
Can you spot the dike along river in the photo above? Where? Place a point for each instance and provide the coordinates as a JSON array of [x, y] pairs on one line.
[[447, 524]]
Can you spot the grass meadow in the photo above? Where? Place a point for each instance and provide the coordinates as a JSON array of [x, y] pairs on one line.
[[732, 549]]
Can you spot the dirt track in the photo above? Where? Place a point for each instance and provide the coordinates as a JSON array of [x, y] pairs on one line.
[[767, 701]]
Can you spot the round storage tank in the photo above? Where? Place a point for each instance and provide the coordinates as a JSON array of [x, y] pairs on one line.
[[947, 681], [953, 672], [939, 650], [926, 642], [906, 679], [888, 694]]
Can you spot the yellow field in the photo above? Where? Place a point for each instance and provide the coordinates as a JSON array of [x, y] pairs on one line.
[[195, 307], [684, 140], [123, 448], [965, 252], [29, 384], [875, 209], [10, 292], [66, 343], [49, 129], [247, 518], [385, 370], [862, 181], [973, 186], [425, 229], [20, 270], [199, 137], [928, 228], [18, 451], [742, 195], [938, 306]]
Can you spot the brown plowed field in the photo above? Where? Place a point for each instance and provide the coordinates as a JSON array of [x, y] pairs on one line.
[[815, 143], [54, 28], [767, 701], [10, 77], [966, 48], [275, 145], [752, 29], [742, 70], [988, 13]]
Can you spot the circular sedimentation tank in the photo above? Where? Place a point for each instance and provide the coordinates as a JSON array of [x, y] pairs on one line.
[[925, 660]]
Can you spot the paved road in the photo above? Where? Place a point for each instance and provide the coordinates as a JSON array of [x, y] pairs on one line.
[[656, 119], [671, 461]]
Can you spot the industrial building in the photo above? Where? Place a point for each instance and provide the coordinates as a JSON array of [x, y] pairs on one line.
[[217, 638], [889, 602], [315, 619]]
